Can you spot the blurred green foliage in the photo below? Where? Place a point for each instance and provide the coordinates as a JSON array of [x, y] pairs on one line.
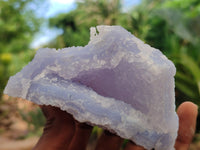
[[18, 24], [76, 24], [35, 120]]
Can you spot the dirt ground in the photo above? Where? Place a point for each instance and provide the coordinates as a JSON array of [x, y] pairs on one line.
[[12, 144], [13, 128]]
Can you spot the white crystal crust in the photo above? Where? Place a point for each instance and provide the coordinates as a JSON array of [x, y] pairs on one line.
[[116, 82]]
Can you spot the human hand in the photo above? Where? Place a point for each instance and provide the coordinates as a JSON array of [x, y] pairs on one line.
[[62, 132]]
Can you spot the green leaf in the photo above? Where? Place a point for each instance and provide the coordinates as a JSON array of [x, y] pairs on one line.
[[191, 65], [186, 89], [182, 76]]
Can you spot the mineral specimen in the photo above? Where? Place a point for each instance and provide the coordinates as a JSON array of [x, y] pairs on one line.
[[116, 82]]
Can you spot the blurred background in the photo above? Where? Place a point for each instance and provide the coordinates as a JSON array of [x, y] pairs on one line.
[[26, 25]]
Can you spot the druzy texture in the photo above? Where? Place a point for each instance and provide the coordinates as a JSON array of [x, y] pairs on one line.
[[116, 82]]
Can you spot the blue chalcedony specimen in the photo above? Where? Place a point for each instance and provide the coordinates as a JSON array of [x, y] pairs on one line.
[[116, 82]]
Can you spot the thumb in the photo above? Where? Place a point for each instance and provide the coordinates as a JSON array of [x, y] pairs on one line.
[[187, 113]]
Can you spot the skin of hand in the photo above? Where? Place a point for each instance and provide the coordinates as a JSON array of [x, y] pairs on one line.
[[62, 132]]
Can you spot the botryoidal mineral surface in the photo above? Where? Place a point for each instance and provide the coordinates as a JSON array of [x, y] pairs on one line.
[[116, 82]]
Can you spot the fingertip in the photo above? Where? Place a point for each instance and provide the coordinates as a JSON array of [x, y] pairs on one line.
[[187, 113], [187, 108]]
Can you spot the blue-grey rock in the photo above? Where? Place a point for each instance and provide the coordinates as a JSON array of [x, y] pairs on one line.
[[116, 82]]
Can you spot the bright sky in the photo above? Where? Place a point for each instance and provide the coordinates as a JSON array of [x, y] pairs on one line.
[[62, 1], [61, 6]]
